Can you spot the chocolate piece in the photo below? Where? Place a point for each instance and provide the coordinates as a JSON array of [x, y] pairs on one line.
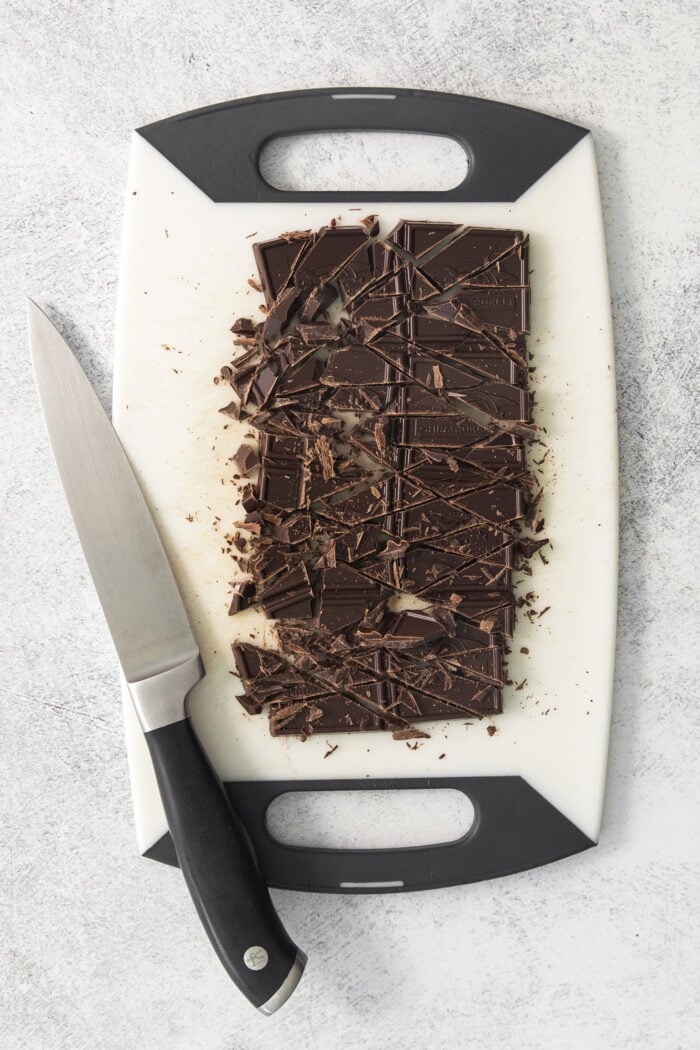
[[356, 365], [295, 529], [499, 504], [300, 377], [391, 496], [283, 474], [429, 521], [246, 459], [471, 252], [447, 479], [329, 713], [355, 275], [254, 663], [276, 261], [345, 597], [409, 628], [424, 566], [507, 308], [269, 562], [476, 541], [290, 596], [418, 237], [243, 326], [318, 301], [317, 334], [243, 594], [332, 249], [500, 400]]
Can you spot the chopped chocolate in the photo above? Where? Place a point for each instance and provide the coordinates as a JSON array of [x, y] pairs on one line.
[[246, 459], [346, 596], [295, 529], [290, 596], [253, 663], [243, 326], [243, 594], [391, 462], [469, 254], [409, 628], [276, 261]]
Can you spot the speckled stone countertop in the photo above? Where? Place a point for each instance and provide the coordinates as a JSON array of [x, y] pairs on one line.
[[101, 949]]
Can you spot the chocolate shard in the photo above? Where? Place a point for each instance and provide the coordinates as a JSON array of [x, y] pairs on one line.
[[283, 473], [506, 308], [280, 313], [448, 479], [499, 400], [299, 378], [414, 400], [424, 566], [329, 713], [499, 504], [249, 703], [475, 541], [276, 261], [246, 459], [243, 326], [428, 521], [404, 630], [295, 529], [269, 562], [317, 302], [332, 249], [318, 334], [355, 275], [387, 498], [242, 596], [471, 252], [418, 237], [346, 596], [290, 596], [357, 365], [254, 663]]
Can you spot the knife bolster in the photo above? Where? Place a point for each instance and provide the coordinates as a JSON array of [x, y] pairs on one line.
[[160, 699]]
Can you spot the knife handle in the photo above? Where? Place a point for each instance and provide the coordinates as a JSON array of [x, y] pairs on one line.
[[221, 872]]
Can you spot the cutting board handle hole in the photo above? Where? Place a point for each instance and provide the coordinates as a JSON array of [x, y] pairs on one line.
[[349, 820], [363, 162]]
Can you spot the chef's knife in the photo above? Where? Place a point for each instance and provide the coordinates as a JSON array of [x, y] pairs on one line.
[[161, 663]]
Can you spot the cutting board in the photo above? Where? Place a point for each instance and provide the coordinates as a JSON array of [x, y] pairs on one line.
[[195, 204]]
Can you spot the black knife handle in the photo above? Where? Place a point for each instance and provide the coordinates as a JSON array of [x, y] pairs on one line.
[[221, 872]]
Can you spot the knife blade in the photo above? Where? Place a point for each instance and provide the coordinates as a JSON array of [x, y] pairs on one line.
[[160, 660]]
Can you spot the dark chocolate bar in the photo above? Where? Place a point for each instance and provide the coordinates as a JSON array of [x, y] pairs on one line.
[[388, 386]]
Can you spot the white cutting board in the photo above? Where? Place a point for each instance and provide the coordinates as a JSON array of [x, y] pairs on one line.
[[184, 271]]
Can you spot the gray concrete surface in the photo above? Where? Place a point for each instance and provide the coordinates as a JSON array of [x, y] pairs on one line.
[[101, 949]]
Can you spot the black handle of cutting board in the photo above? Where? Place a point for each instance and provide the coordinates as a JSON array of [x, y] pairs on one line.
[[219, 866], [514, 829], [218, 148]]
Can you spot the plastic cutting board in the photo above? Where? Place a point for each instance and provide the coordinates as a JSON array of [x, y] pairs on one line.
[[194, 197]]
